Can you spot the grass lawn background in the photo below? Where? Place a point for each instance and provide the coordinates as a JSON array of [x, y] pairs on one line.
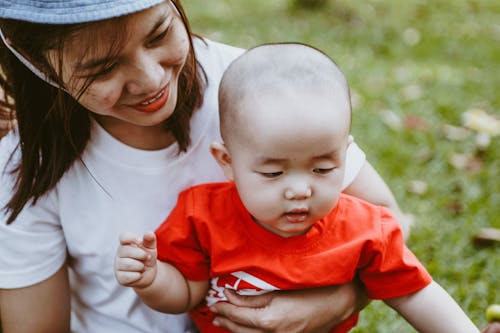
[[414, 68]]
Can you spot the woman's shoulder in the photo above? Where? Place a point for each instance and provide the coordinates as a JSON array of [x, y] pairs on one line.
[[9, 152], [9, 158], [215, 56]]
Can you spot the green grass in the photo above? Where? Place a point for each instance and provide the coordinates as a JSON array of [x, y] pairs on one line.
[[417, 58], [425, 62]]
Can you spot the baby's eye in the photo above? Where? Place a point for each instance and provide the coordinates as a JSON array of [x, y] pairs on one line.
[[271, 174], [323, 171]]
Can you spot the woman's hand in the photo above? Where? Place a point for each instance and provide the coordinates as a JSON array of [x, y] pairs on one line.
[[310, 310], [492, 328]]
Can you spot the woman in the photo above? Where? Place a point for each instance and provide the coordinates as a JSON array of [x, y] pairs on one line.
[[116, 108]]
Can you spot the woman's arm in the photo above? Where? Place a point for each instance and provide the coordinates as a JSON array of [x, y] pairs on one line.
[[433, 310], [312, 310], [369, 186], [41, 308]]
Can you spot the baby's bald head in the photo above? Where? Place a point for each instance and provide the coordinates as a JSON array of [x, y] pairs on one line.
[[278, 71]]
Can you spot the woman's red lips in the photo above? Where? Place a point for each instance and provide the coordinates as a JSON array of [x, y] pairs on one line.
[[155, 103]]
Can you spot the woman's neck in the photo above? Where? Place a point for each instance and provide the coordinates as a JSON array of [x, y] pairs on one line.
[[140, 137]]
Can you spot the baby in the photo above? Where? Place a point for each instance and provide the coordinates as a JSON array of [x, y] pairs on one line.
[[281, 223]]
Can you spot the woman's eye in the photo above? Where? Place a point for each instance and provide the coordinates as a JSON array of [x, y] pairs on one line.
[[323, 171], [98, 73], [271, 174], [106, 70], [160, 37]]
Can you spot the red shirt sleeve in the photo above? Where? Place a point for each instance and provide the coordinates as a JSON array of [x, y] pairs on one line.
[[390, 268], [177, 241]]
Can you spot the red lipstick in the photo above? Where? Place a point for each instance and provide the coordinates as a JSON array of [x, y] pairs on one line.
[[154, 103]]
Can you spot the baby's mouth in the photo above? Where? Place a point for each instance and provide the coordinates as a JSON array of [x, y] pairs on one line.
[[297, 215]]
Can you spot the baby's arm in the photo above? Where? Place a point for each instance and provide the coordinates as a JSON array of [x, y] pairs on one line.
[[159, 284], [432, 310]]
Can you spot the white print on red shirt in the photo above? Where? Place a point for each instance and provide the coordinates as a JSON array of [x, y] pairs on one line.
[[242, 282]]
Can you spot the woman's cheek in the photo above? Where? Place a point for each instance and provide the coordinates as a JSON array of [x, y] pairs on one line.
[[99, 99], [178, 57]]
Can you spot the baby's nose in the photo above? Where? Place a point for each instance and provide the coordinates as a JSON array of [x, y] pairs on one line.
[[298, 193]]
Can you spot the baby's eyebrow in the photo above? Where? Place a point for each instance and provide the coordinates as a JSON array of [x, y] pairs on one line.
[[271, 160], [332, 154]]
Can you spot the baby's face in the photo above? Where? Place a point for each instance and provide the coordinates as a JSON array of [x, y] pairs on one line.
[[288, 163]]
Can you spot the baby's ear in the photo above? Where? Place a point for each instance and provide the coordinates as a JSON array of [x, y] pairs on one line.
[[223, 158], [349, 140]]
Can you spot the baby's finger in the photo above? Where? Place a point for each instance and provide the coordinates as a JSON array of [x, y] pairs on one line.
[[132, 252], [129, 265], [127, 278], [127, 238], [149, 240]]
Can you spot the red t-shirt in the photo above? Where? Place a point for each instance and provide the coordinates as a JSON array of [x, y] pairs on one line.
[[209, 235]]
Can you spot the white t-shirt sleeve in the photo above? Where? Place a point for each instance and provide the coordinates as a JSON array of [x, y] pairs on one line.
[[355, 159], [215, 57], [32, 247]]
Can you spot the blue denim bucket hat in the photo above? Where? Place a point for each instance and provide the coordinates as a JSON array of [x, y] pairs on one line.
[[70, 11]]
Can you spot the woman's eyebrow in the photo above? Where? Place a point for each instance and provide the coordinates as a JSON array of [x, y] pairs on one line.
[[161, 19], [95, 63]]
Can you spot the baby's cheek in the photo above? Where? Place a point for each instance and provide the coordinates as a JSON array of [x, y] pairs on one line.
[[259, 207], [328, 202]]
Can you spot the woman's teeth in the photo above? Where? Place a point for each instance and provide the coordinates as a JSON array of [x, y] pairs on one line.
[[154, 99]]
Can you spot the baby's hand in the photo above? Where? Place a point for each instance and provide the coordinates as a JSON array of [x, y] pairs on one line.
[[135, 261]]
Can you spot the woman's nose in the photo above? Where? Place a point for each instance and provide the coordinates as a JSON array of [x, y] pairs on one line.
[[145, 75]]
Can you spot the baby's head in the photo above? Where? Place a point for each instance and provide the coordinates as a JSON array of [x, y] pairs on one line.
[[285, 119]]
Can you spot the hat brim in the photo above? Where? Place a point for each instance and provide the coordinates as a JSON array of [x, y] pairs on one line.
[[71, 11]]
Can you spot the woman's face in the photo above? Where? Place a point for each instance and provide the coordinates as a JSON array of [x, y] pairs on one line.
[[138, 85]]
